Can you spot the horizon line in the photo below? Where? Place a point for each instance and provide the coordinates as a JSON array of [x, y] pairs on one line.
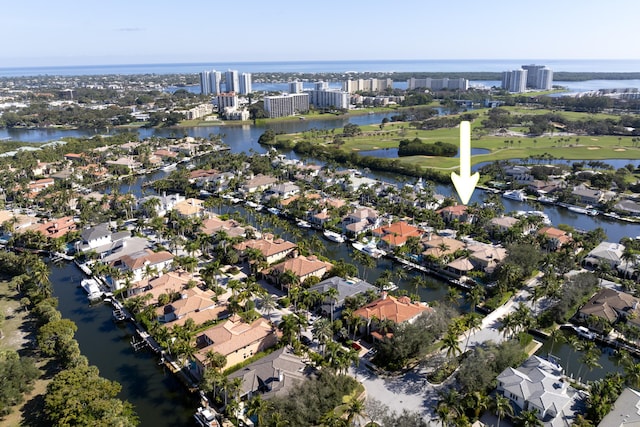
[[317, 61]]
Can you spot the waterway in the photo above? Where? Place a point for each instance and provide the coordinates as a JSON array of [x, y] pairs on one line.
[[159, 398]]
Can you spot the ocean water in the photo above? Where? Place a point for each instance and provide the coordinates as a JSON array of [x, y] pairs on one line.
[[433, 65]]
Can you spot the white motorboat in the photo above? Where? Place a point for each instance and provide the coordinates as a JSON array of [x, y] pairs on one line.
[[251, 204], [547, 199], [544, 216], [92, 288], [169, 168], [584, 211], [303, 224], [274, 211], [333, 236], [517, 195], [369, 248], [206, 417]]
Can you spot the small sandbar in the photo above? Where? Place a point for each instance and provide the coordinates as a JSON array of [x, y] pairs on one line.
[[594, 139], [593, 148], [620, 149]]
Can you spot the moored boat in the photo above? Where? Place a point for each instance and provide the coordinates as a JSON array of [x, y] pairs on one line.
[[206, 417], [333, 236], [92, 288], [517, 195], [303, 224], [370, 249]]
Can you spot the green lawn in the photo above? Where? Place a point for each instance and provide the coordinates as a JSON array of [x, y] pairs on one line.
[[567, 147]]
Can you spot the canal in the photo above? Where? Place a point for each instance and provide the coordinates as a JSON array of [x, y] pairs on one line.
[[159, 398]]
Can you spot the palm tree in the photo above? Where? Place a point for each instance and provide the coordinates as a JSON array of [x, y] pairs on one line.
[[478, 401], [451, 344], [528, 419], [502, 407], [473, 322], [268, 303], [332, 295], [322, 332], [556, 336], [259, 407], [355, 408]]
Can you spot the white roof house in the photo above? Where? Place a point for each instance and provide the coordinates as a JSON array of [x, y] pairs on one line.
[[538, 385]]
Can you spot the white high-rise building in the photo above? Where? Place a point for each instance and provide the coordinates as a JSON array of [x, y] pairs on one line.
[[245, 84], [227, 100], [331, 98], [321, 85], [295, 87], [539, 76], [286, 105], [210, 82], [205, 87], [232, 81], [367, 85], [215, 80], [515, 80], [438, 84]]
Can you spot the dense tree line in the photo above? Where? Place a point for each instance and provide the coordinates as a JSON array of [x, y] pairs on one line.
[[415, 147], [308, 402]]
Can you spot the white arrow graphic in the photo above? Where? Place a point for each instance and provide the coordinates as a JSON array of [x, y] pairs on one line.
[[465, 183]]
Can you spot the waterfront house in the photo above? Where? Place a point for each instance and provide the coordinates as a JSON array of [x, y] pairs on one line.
[[282, 191], [272, 375], [625, 412], [54, 228], [12, 221], [272, 250], [460, 267], [486, 257], [361, 220], [214, 224], [612, 306], [586, 195], [396, 234], [192, 300], [554, 238], [165, 203], [39, 185], [455, 213], [606, 252], [539, 385], [189, 208], [234, 339], [628, 207], [98, 238], [440, 247], [171, 283], [258, 183], [139, 263], [345, 288], [301, 266], [502, 224], [387, 307]]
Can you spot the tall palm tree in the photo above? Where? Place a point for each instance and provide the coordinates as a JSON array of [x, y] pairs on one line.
[[451, 344], [528, 419], [473, 322], [502, 406], [355, 409], [259, 407], [322, 332], [268, 303], [332, 295]]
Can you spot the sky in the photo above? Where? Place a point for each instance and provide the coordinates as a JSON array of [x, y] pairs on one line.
[[92, 32]]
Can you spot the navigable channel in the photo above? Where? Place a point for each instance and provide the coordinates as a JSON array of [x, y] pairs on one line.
[[160, 399]]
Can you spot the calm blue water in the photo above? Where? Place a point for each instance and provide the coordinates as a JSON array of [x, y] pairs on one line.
[[435, 65]]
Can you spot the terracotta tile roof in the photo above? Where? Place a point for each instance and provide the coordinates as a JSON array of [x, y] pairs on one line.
[[303, 266], [268, 247], [433, 243], [456, 210], [396, 309], [138, 260], [555, 233], [194, 299], [189, 207], [234, 334], [54, 228]]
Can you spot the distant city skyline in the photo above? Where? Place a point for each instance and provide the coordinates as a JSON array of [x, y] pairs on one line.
[[68, 33]]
